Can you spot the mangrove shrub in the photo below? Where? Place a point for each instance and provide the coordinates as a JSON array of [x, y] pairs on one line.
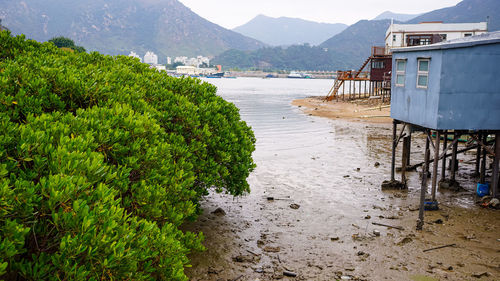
[[102, 159]]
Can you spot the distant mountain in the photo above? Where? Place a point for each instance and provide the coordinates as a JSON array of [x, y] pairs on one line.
[[288, 31], [346, 50], [354, 44], [166, 27], [303, 57], [387, 15], [466, 11]]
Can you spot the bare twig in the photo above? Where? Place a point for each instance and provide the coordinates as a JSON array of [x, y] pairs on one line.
[[386, 225], [440, 247]]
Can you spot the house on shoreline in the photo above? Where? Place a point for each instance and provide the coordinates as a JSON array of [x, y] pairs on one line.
[[377, 78], [448, 89]]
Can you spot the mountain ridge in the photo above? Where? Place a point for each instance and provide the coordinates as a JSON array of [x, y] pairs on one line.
[[284, 31], [166, 27], [387, 15]]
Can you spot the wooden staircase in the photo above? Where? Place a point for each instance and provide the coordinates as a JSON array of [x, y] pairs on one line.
[[341, 77]]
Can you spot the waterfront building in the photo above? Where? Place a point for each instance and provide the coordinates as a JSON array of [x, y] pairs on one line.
[[150, 58], [380, 60], [449, 88]]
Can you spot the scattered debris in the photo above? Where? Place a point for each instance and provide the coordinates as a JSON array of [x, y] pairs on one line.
[[219, 212], [244, 258], [294, 206], [405, 241], [376, 232], [481, 274], [334, 238], [440, 247], [431, 205], [393, 185], [449, 184], [289, 273], [271, 249], [386, 225], [367, 217], [438, 221], [470, 236], [376, 164]]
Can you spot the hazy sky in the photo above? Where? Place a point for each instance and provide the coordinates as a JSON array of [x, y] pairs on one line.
[[233, 13]]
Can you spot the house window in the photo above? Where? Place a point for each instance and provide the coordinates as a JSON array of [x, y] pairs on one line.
[[400, 72], [394, 38], [467, 34], [378, 64], [423, 73]]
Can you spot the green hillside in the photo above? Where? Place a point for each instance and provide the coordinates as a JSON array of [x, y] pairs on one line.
[[166, 27]]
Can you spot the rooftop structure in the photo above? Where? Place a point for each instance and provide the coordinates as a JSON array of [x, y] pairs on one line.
[[425, 33]]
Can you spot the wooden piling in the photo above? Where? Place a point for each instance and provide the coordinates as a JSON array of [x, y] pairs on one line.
[[495, 176], [393, 159], [423, 185], [482, 175], [435, 166], [404, 159], [478, 155], [443, 162], [454, 156], [409, 146]]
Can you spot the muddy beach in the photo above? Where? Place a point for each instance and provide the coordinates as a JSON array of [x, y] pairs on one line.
[[316, 196]]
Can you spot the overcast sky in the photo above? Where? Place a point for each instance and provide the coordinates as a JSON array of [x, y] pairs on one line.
[[233, 13]]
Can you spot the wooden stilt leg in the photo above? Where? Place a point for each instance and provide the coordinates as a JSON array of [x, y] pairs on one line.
[[404, 159], [409, 146], [495, 176], [393, 159], [435, 166], [423, 187], [478, 157], [443, 161], [454, 157], [482, 176]]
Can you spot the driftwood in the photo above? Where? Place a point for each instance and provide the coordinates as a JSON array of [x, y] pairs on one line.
[[386, 225], [440, 247]]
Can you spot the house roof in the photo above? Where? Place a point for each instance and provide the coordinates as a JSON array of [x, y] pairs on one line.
[[483, 39], [436, 27]]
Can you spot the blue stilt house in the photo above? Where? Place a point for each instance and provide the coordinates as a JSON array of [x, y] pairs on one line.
[[453, 85], [449, 88]]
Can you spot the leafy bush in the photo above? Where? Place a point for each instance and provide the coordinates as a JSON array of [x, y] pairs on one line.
[[102, 159]]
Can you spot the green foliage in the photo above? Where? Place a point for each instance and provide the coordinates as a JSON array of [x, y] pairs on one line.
[[102, 159], [64, 42]]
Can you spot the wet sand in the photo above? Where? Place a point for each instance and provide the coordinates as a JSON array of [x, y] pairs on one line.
[[325, 175], [365, 110]]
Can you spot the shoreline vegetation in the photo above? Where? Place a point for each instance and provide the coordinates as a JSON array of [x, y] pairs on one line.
[[360, 110], [103, 159]]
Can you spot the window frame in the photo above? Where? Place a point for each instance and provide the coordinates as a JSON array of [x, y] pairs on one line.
[[423, 72], [400, 72]]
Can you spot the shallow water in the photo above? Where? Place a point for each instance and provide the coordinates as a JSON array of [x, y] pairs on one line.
[[327, 168]]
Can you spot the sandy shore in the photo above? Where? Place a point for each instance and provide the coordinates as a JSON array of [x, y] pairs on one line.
[[364, 110]]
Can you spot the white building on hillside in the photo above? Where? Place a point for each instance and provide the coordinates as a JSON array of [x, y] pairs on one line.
[[182, 60], [134, 55], [150, 58], [425, 33], [169, 60]]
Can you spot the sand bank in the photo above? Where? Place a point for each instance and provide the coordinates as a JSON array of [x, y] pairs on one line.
[[363, 110]]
